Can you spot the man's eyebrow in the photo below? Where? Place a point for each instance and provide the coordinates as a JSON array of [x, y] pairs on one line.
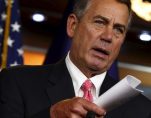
[[101, 17]]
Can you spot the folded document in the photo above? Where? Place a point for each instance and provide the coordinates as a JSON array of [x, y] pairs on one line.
[[120, 93]]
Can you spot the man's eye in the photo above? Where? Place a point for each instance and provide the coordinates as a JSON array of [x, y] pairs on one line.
[[119, 30]]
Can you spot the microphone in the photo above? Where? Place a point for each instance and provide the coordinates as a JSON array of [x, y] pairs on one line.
[[90, 114]]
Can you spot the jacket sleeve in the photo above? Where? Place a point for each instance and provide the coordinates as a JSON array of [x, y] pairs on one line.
[[11, 103]]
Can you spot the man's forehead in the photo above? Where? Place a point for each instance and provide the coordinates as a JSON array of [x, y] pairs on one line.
[[119, 13]]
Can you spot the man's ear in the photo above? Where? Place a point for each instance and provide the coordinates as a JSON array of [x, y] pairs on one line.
[[71, 25]]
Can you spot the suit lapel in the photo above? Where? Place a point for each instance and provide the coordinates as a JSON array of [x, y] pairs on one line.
[[107, 84], [60, 85]]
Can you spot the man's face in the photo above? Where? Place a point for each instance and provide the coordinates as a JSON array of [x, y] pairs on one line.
[[98, 35]]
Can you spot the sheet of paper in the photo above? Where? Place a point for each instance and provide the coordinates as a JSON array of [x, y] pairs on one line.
[[119, 93]]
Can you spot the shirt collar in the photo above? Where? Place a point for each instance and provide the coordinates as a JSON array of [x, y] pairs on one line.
[[78, 77]]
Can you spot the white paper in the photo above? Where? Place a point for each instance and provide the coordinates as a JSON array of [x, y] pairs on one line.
[[119, 93]]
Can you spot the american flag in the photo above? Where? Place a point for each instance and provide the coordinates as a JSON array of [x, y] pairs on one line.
[[14, 53]]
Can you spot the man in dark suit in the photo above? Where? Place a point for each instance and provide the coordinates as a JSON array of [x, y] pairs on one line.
[[97, 29]]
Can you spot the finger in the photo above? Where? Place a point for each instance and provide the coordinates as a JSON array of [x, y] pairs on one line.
[[69, 108], [102, 116], [94, 108], [78, 107], [74, 115]]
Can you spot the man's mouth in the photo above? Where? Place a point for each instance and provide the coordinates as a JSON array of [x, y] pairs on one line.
[[102, 51]]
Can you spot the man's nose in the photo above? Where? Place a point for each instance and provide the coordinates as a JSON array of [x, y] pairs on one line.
[[107, 34]]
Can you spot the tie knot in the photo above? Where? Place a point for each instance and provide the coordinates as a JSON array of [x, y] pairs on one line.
[[86, 86]]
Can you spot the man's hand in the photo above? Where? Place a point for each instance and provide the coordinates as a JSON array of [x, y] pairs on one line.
[[74, 108]]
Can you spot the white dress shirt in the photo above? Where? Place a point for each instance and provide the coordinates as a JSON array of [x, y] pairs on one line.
[[78, 78]]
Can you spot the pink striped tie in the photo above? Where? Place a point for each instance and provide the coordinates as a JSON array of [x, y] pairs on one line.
[[86, 88]]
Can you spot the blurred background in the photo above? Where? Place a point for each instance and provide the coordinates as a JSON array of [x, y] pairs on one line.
[[44, 41]]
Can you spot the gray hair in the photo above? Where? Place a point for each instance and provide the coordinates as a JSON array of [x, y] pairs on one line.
[[80, 6]]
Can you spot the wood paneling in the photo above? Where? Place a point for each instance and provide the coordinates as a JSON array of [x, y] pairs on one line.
[[145, 77]]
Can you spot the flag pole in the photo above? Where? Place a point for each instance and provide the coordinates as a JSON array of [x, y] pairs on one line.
[[6, 35]]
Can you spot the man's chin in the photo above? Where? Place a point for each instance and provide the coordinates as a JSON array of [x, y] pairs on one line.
[[99, 68]]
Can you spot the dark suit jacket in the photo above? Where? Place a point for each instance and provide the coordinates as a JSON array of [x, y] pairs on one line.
[[29, 92]]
